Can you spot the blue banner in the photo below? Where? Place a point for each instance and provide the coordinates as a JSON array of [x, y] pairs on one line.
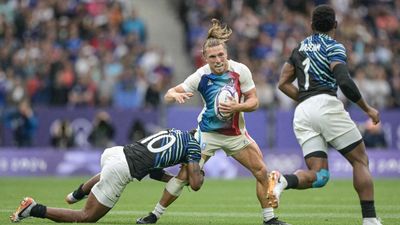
[[49, 162]]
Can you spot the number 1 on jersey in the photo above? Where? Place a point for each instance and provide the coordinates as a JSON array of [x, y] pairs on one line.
[[306, 63]]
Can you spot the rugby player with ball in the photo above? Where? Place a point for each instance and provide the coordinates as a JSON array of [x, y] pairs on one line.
[[227, 90]]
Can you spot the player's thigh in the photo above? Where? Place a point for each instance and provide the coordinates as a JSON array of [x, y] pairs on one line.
[[315, 146], [114, 176], [351, 146], [251, 158], [211, 142], [235, 144], [335, 121], [302, 128], [315, 152], [347, 141]]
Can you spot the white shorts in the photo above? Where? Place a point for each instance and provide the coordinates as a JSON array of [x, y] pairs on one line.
[[321, 119], [211, 142], [114, 176]]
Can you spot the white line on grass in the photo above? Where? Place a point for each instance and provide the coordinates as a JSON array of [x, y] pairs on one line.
[[255, 214], [241, 214]]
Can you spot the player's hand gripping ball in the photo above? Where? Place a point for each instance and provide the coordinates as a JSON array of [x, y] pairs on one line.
[[223, 97]]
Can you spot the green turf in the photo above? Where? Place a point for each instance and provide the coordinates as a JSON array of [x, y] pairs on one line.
[[217, 203]]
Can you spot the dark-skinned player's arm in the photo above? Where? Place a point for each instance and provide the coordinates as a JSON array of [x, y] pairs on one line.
[[160, 175], [286, 79], [195, 174], [350, 90]]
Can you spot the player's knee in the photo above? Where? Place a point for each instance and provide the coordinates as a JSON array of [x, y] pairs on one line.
[[322, 178], [175, 186]]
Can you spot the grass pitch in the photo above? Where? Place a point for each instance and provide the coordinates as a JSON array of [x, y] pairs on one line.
[[219, 202]]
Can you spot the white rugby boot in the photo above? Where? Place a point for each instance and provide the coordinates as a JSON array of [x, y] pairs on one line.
[[23, 211], [276, 184]]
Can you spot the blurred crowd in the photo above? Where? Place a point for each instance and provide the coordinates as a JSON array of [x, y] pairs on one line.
[[94, 52], [265, 32], [78, 53]]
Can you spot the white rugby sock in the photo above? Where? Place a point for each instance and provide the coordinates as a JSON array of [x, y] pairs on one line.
[[268, 213], [159, 210]]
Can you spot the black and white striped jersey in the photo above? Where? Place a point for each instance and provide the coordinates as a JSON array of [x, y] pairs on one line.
[[312, 59], [163, 149]]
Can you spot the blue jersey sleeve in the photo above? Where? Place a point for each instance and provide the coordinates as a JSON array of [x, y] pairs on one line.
[[336, 53], [194, 152]]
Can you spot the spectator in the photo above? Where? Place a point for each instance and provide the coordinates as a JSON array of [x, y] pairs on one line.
[[23, 123], [137, 131], [62, 134], [152, 97], [55, 52], [373, 135], [271, 29], [127, 93], [103, 131], [83, 92], [133, 24]]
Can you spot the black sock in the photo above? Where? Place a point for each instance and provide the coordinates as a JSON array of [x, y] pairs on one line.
[[292, 181], [78, 193], [368, 209], [38, 211]]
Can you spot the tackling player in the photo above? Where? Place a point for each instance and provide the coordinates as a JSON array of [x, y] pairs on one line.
[[121, 165]]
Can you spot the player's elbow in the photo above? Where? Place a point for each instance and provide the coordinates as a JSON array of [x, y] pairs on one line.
[[343, 81], [195, 184], [196, 187], [283, 86]]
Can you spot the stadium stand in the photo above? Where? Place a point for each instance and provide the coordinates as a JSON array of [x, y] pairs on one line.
[[86, 54], [266, 30]]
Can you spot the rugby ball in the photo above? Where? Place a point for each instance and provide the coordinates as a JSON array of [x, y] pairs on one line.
[[223, 97]]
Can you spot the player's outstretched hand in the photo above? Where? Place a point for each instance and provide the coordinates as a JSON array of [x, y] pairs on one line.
[[182, 97]]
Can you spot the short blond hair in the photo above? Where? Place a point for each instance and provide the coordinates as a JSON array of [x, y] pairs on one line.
[[217, 34]]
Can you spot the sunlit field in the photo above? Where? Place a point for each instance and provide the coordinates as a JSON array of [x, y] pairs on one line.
[[219, 202]]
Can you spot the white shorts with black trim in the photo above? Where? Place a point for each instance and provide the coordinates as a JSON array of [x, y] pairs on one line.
[[322, 119], [114, 176]]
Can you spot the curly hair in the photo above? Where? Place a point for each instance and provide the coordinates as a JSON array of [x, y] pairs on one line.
[[217, 34], [323, 18]]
